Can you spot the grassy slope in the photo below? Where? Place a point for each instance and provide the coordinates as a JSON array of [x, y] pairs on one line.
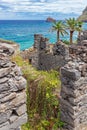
[[7, 41], [42, 79]]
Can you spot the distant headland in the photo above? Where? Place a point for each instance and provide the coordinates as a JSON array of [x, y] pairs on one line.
[[83, 16]]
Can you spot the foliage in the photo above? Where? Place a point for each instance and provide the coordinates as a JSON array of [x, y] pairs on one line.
[[73, 25], [7, 41], [42, 97], [79, 27], [66, 42], [60, 28], [70, 24]]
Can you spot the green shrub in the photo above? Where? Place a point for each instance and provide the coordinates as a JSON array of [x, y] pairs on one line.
[[66, 42], [7, 41]]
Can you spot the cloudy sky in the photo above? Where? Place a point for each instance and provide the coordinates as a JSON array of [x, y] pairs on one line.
[[41, 9]]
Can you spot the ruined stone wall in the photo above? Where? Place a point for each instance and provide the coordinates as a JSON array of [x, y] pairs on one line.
[[46, 58], [12, 92], [49, 61], [73, 101], [82, 37], [11, 46]]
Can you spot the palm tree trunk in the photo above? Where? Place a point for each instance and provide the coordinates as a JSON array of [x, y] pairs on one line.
[[71, 37], [58, 36], [79, 34]]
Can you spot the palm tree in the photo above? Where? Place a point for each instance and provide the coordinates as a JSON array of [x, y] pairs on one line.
[[79, 28], [60, 28], [71, 24]]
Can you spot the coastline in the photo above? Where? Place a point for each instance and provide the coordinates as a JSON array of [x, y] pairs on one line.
[[22, 32]]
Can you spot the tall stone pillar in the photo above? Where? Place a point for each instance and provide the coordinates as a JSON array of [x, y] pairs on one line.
[[73, 100], [37, 39], [12, 92]]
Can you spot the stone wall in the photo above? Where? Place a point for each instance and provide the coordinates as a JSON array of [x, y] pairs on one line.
[[45, 57], [10, 44], [82, 37], [73, 100], [12, 92]]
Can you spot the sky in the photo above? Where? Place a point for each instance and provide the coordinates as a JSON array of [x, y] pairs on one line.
[[40, 9]]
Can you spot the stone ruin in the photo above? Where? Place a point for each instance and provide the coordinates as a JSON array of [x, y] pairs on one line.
[[47, 56], [73, 97], [73, 64], [73, 100], [12, 92]]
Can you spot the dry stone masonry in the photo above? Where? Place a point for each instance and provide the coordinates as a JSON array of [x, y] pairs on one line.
[[73, 101], [12, 92]]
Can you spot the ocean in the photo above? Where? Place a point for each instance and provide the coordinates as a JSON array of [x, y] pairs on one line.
[[22, 31]]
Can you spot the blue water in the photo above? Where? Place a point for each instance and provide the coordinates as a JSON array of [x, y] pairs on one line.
[[22, 31]]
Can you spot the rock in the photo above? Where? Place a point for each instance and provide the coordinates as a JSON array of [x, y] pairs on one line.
[[4, 116], [73, 100], [21, 120], [49, 19], [8, 98], [71, 74], [21, 84], [13, 118], [4, 87], [83, 16], [12, 92], [3, 108], [4, 125], [19, 100], [21, 110], [7, 49], [4, 72], [3, 80]]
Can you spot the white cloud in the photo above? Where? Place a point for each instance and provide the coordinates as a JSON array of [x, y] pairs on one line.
[[43, 6], [42, 0]]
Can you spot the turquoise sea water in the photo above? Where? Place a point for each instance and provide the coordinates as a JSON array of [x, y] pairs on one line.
[[22, 31]]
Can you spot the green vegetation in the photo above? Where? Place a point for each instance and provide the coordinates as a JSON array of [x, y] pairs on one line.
[[79, 29], [73, 25], [60, 28], [7, 41], [70, 24], [42, 97], [66, 42]]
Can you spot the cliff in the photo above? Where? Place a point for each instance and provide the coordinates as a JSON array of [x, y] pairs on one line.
[[83, 16]]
